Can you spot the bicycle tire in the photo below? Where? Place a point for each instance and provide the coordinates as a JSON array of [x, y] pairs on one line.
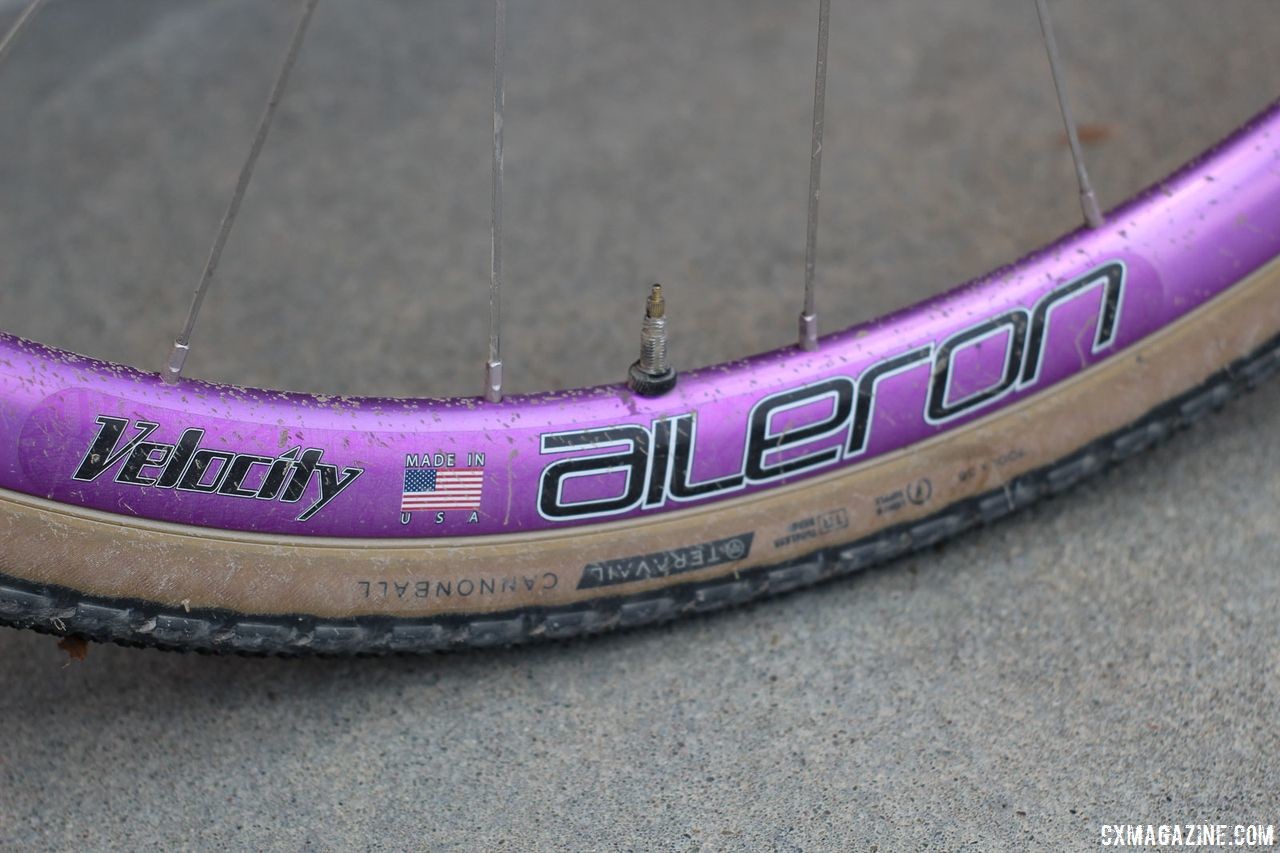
[[77, 561]]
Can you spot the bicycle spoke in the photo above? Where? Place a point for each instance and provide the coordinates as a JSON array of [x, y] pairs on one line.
[[1088, 201], [493, 367], [182, 343], [808, 314], [19, 23]]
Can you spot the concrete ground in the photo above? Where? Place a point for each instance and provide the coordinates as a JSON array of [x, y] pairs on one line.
[[1111, 656]]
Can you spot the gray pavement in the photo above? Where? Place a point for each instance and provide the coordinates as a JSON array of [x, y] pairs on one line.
[[1109, 656]]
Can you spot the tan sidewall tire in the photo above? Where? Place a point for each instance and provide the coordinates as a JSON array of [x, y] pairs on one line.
[[184, 569]]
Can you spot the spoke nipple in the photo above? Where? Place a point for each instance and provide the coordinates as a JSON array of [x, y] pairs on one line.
[[493, 381], [651, 375], [177, 358], [809, 332], [1089, 204]]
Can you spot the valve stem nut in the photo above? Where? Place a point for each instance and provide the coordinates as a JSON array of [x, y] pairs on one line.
[[652, 375]]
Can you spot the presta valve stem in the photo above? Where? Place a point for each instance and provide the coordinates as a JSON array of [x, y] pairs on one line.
[[651, 374]]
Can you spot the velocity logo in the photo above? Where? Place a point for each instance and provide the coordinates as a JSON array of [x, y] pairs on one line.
[[188, 467]]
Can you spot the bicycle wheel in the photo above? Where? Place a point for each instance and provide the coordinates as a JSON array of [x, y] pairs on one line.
[[223, 518]]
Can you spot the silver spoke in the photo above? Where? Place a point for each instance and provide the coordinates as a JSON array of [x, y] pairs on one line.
[[493, 367], [19, 23], [808, 314], [182, 343], [1088, 201]]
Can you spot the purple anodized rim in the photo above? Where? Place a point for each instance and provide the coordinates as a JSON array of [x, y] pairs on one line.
[[97, 435]]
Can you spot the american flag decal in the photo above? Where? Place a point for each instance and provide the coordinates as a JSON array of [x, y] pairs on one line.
[[441, 488]]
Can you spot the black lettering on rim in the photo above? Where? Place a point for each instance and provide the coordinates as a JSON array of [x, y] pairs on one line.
[[633, 461], [864, 407], [938, 408], [1111, 277], [761, 441], [686, 431]]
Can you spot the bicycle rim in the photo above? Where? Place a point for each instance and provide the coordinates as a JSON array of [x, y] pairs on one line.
[[220, 517]]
